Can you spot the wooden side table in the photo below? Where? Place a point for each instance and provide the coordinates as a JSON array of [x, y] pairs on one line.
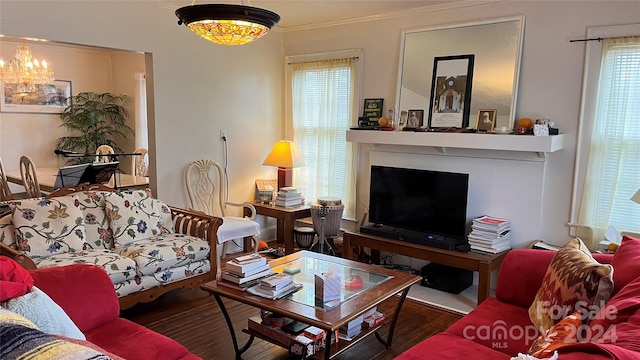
[[286, 218]]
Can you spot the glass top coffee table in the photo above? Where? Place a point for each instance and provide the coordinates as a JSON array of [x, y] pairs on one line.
[[378, 285]]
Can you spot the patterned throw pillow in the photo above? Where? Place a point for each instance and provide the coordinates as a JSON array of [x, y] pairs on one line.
[[96, 223], [165, 216], [562, 334], [574, 280], [45, 227], [132, 216]]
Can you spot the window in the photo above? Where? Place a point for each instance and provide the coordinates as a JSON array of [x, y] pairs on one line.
[[324, 100], [612, 173]]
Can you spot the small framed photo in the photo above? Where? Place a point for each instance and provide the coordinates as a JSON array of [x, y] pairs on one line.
[[486, 120], [415, 118], [372, 108]]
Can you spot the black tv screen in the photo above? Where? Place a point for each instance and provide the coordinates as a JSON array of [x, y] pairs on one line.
[[431, 202]]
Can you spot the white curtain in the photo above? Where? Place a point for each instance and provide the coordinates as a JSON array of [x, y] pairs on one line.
[[142, 137], [613, 170], [324, 105]]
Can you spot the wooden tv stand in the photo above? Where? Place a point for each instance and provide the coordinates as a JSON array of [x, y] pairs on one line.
[[483, 263]]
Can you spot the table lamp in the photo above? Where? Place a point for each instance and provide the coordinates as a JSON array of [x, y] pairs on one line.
[[285, 156]]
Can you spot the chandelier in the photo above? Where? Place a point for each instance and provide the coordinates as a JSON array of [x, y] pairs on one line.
[[227, 24], [24, 71]]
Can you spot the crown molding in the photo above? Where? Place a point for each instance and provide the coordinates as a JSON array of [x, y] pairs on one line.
[[430, 9]]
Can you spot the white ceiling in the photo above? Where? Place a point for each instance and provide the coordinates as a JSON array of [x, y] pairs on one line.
[[313, 13]]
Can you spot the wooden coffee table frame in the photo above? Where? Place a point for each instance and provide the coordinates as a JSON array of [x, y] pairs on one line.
[[327, 320]]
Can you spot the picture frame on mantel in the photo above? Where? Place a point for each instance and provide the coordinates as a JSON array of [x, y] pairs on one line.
[[486, 120], [450, 100], [46, 99], [373, 109]]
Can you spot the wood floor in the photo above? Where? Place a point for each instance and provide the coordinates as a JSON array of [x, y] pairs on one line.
[[193, 318]]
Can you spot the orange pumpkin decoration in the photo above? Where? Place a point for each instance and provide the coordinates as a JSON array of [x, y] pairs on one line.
[[525, 123]]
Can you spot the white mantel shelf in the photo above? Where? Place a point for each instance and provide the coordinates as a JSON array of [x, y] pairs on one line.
[[514, 143]]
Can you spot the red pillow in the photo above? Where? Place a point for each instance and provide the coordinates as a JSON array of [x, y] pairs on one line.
[[626, 263], [14, 279]]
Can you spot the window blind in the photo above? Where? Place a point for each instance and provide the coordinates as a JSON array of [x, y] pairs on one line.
[[613, 170], [323, 101]]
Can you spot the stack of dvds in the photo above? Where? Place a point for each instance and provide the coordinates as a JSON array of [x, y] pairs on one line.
[[490, 234]]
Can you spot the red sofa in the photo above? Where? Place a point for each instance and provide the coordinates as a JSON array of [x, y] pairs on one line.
[[499, 328], [86, 294]]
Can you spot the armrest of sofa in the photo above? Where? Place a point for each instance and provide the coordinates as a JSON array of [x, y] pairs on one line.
[[198, 224], [85, 292], [17, 256], [521, 274]]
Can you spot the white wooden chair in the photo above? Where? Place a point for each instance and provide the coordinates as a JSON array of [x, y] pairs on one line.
[[104, 150], [29, 177], [139, 164], [203, 196]]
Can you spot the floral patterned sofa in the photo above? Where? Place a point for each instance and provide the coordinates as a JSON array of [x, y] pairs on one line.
[[146, 247]]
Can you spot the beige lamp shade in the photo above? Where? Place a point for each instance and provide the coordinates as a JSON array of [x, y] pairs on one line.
[[284, 154]]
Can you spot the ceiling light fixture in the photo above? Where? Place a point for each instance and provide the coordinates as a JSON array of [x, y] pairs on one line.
[[227, 24], [25, 71]]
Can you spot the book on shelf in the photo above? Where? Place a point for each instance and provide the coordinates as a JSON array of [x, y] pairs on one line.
[[269, 294], [226, 275], [489, 249], [276, 280], [234, 286], [297, 202], [288, 189], [246, 266], [248, 272], [247, 259], [490, 224]]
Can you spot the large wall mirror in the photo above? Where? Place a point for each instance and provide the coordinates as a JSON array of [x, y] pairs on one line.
[[496, 44]]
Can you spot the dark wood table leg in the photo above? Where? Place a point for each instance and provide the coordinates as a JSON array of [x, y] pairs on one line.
[[287, 228], [246, 346], [392, 326], [484, 281]]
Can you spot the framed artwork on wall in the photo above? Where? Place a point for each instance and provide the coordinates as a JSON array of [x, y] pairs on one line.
[[450, 100], [46, 99]]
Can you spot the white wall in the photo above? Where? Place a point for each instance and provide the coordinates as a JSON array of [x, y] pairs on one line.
[[200, 88], [550, 87]]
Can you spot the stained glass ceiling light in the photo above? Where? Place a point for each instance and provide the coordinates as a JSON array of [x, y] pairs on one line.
[[227, 24], [25, 71]]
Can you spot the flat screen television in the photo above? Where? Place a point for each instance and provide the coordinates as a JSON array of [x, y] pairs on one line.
[[420, 206]]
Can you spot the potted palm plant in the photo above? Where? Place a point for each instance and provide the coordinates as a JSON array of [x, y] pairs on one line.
[[94, 119]]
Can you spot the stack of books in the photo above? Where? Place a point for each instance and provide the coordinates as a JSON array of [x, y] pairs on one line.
[[490, 234], [275, 286], [288, 197], [352, 329], [244, 272]]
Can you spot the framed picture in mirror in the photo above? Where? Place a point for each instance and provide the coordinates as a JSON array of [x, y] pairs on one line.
[[450, 100]]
